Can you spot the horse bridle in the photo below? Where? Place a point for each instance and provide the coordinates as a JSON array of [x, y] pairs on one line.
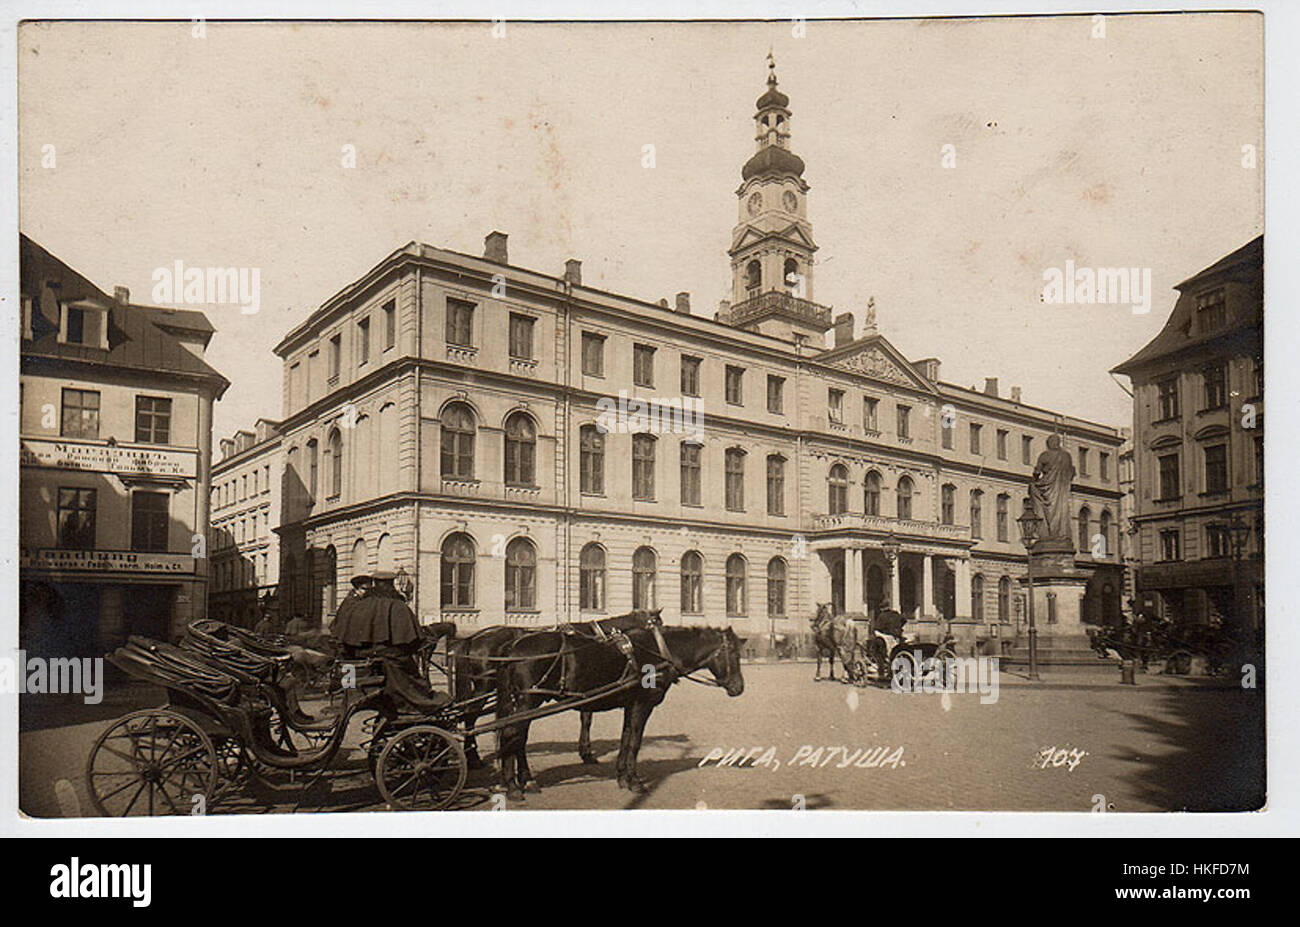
[[656, 626]]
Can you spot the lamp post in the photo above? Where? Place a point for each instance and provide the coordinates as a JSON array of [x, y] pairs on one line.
[[891, 547], [1030, 524]]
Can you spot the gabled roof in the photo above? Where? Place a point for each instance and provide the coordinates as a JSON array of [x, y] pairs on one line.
[[748, 234], [140, 338], [1177, 334]]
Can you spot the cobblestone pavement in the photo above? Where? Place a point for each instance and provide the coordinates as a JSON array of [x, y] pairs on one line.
[[1166, 744]]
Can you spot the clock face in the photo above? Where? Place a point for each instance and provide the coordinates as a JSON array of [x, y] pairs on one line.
[[791, 201], [755, 204]]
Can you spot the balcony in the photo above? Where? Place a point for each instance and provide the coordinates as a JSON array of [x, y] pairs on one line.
[[858, 521], [776, 303]]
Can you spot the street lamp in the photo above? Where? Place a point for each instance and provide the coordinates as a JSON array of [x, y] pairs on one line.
[[1030, 524], [891, 547]]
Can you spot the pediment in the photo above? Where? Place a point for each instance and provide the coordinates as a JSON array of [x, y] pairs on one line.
[[748, 235], [876, 358]]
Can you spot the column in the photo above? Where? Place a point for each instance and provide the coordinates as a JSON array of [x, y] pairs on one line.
[[852, 579], [962, 609], [927, 587], [895, 599]]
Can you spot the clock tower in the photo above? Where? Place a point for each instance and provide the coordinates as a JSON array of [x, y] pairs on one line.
[[772, 245]]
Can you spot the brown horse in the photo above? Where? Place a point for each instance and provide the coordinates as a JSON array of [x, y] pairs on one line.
[[553, 665], [833, 635], [476, 659]]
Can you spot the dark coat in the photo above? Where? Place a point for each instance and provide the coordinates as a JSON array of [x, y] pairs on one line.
[[374, 619]]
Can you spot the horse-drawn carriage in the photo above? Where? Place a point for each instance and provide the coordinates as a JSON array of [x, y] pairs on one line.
[[1148, 640], [876, 647], [233, 720]]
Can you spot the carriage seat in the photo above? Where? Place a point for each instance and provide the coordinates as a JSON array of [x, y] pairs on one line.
[[171, 667]]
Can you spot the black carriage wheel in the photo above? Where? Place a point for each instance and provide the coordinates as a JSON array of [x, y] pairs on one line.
[[151, 762], [422, 768]]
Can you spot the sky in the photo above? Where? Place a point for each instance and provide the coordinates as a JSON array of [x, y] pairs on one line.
[[227, 150]]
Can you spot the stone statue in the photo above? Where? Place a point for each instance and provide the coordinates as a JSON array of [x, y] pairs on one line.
[[871, 314], [1049, 492]]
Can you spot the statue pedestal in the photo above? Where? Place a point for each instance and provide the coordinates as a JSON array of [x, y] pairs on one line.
[[1058, 590]]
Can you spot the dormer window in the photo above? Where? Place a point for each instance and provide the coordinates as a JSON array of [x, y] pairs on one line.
[[83, 323], [1211, 311]]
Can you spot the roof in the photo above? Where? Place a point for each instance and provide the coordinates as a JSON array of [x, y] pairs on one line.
[[1177, 334], [773, 159], [139, 337]]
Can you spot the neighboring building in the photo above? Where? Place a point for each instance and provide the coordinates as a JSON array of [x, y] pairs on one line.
[[244, 544], [1198, 426], [412, 441], [115, 423]]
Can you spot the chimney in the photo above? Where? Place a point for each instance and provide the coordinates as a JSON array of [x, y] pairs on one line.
[[1015, 395], [684, 303], [121, 295], [572, 271], [663, 303], [843, 329], [929, 368], [494, 248], [991, 386]]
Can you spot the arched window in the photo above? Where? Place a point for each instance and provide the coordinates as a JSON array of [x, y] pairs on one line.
[[790, 273], [1103, 528], [1004, 515], [838, 490], [360, 558], [1084, 517], [591, 459], [692, 583], [948, 507], [871, 493], [735, 484], [384, 557], [389, 463], [688, 455], [458, 571], [753, 276], [1004, 599], [905, 497], [591, 578], [521, 575], [977, 597], [976, 513], [736, 585], [329, 580], [643, 578], [362, 473], [521, 450], [643, 467], [334, 448], [458, 427], [776, 572]]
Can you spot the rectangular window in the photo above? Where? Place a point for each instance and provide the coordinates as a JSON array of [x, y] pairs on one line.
[[904, 421], [690, 375], [390, 324], [1170, 548], [1216, 386], [870, 406], [460, 323], [1002, 444], [975, 432], [643, 467], [153, 420], [775, 394], [1103, 464], [1168, 397], [591, 463], [149, 520], [1211, 311], [80, 414], [945, 433], [735, 385], [76, 519], [1083, 461], [521, 336], [593, 354], [690, 458], [735, 480], [643, 365], [76, 327], [1216, 468], [336, 357], [775, 485], [1026, 449], [363, 342], [310, 374], [835, 406], [1169, 484], [1216, 541]]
